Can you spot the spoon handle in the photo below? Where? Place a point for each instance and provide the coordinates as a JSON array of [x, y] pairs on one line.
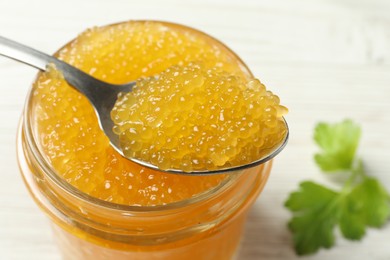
[[40, 60], [27, 55], [78, 79]]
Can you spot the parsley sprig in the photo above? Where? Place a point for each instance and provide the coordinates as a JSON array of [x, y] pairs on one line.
[[361, 202]]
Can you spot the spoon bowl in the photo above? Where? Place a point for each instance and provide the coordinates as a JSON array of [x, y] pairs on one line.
[[102, 96]]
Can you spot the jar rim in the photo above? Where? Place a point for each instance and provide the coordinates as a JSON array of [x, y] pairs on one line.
[[48, 169]]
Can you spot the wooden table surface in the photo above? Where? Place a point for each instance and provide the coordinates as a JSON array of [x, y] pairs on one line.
[[328, 60]]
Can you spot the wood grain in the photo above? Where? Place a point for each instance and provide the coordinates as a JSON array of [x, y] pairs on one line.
[[327, 60]]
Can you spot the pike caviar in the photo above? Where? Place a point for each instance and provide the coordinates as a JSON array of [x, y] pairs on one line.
[[193, 118], [66, 124]]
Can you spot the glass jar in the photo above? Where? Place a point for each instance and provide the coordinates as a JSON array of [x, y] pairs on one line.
[[207, 226]]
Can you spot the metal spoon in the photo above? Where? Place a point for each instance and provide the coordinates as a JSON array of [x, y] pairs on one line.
[[102, 96]]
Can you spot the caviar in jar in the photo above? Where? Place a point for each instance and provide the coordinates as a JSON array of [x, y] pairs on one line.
[[103, 206]]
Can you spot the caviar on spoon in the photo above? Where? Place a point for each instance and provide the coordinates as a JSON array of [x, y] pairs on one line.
[[221, 156]]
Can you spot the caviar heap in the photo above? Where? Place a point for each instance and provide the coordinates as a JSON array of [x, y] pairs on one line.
[[195, 118]]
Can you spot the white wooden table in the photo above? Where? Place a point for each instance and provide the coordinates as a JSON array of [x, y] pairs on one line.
[[327, 60]]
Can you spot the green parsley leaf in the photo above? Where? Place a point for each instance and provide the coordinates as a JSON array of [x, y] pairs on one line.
[[318, 210], [338, 143], [366, 205], [316, 213], [362, 202]]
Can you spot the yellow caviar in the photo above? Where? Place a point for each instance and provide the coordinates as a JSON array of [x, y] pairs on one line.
[[67, 128], [193, 117]]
